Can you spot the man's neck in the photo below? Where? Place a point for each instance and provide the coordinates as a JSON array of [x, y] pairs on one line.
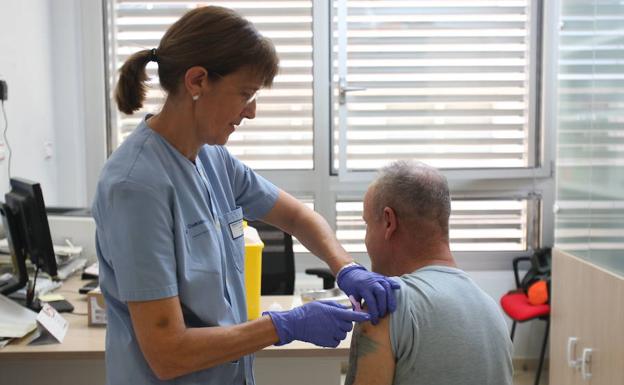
[[420, 263], [421, 254]]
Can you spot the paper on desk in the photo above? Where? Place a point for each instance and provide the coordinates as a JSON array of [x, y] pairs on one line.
[[50, 297], [4, 341], [15, 321], [52, 323], [93, 270]]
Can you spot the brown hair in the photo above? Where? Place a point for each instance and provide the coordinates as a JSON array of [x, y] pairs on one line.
[[216, 38]]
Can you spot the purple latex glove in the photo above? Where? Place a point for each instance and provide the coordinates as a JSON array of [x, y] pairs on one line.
[[376, 290], [321, 323]]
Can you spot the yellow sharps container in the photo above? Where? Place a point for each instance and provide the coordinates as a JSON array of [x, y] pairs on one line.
[[253, 271]]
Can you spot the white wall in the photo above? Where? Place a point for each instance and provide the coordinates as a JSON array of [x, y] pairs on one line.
[[26, 65], [56, 96], [68, 103]]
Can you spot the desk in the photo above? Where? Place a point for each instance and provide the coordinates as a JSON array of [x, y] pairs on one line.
[[80, 358]]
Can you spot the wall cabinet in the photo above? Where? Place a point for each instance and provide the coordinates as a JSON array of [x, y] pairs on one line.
[[587, 322]]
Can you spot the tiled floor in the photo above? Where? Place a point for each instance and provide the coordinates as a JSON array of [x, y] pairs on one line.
[[522, 377]]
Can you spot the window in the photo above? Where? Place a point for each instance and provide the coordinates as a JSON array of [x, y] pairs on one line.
[[281, 135], [475, 225], [447, 82], [451, 83], [590, 215]]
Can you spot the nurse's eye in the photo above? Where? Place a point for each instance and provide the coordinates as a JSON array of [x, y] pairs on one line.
[[249, 97]]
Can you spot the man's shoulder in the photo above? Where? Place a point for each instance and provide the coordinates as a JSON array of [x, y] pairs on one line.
[[433, 280]]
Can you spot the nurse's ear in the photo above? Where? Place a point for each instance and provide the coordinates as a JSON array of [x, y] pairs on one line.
[[195, 81]]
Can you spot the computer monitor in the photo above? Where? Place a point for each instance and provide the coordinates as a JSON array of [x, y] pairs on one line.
[[28, 233]]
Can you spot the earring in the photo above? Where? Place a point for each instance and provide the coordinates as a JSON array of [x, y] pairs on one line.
[[195, 97]]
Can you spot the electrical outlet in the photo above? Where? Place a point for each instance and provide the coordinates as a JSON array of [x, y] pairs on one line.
[[4, 90], [48, 150]]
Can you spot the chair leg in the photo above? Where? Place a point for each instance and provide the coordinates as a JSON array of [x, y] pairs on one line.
[[513, 330], [541, 361]]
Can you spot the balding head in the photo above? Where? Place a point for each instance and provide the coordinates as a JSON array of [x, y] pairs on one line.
[[415, 191]]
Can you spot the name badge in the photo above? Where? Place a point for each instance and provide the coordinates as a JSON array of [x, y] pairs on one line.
[[236, 229]]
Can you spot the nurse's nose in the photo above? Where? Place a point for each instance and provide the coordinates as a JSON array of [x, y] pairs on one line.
[[249, 112]]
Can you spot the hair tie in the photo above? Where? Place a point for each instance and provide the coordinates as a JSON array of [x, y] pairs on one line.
[[153, 56]]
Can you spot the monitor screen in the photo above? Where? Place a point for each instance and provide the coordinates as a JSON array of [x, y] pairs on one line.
[[29, 231], [19, 278]]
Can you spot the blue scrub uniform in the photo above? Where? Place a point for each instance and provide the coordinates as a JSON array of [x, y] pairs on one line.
[[168, 227]]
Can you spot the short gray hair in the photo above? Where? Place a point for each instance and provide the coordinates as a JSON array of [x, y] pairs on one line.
[[413, 190]]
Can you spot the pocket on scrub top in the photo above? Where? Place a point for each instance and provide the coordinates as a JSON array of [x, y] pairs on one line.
[[203, 246], [232, 228]]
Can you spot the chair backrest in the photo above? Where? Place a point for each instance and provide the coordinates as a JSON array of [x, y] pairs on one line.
[[278, 260], [539, 270]]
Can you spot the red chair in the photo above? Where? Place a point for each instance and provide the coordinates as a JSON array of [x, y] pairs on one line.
[[516, 305]]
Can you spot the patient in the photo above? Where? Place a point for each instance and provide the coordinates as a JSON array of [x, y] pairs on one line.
[[445, 330]]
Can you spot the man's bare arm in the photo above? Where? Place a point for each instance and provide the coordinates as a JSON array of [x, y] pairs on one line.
[[371, 360]]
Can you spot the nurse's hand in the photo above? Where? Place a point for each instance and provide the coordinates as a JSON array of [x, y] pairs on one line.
[[376, 290], [321, 323]]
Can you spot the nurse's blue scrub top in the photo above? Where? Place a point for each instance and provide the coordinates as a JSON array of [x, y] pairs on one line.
[[168, 227]]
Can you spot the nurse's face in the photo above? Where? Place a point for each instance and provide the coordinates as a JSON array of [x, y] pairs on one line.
[[224, 103]]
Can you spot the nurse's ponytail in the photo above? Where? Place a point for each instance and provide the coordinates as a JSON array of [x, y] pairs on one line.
[[215, 38], [131, 88]]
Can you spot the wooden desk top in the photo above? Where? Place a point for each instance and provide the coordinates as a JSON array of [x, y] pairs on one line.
[[84, 342]]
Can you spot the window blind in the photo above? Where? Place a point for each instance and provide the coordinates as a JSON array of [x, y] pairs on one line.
[[280, 137], [583, 225], [446, 82], [475, 225], [590, 142]]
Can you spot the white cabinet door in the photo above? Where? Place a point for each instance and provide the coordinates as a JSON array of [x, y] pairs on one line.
[[566, 311], [587, 304]]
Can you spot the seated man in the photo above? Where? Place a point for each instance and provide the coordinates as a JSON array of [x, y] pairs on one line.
[[445, 330]]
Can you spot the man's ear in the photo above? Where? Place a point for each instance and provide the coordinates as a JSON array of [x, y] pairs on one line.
[[390, 222], [194, 79]]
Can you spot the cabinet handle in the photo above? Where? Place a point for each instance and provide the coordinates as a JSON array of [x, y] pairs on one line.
[[585, 363], [573, 362]]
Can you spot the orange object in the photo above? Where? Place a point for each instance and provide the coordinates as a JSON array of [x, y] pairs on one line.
[[538, 293]]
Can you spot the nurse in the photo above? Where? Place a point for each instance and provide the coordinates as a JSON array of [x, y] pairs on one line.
[[169, 209]]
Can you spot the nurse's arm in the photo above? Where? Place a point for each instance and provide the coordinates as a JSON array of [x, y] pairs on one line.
[[172, 350], [371, 360], [310, 228]]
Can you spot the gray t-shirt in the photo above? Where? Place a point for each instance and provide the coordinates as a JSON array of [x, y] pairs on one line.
[[446, 330]]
